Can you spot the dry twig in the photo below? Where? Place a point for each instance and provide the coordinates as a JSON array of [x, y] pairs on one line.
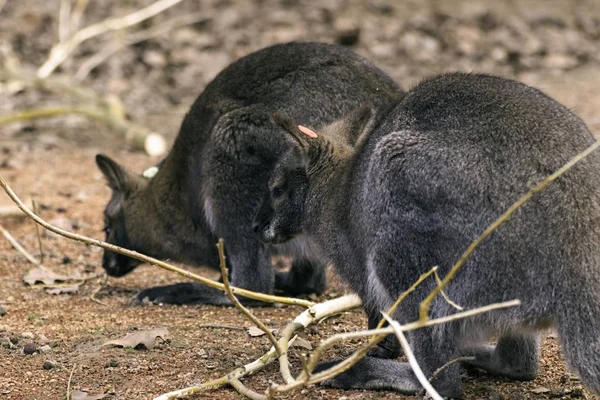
[[240, 306], [411, 358], [315, 313], [17, 246], [69, 382], [107, 51], [63, 49]]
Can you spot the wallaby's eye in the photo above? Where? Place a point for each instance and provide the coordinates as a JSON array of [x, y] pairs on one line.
[[106, 230], [277, 191]]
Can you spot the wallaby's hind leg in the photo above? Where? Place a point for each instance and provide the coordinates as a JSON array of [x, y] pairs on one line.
[[304, 277], [516, 356], [388, 347]]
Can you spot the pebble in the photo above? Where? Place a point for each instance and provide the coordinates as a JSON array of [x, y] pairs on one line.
[[43, 339], [49, 364], [2, 311], [112, 363], [29, 348], [27, 335], [45, 349]]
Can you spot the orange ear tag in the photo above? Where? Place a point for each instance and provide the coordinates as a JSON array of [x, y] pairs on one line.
[[308, 132]]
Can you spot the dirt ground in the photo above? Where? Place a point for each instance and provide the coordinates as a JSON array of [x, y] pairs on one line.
[[554, 45]]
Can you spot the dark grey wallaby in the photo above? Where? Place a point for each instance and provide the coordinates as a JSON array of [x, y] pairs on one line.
[[418, 187], [211, 183]]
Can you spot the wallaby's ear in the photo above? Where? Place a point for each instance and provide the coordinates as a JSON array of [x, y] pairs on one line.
[[116, 175], [299, 133], [356, 124]]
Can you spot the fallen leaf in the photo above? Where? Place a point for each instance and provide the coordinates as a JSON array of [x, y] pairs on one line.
[[255, 331], [47, 277], [303, 343], [71, 289], [145, 338], [82, 395]]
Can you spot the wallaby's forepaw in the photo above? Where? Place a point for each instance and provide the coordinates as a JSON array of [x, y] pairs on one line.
[[388, 348], [182, 293], [374, 374], [304, 277]]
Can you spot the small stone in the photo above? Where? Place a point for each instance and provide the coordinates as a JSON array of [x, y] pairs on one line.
[[67, 260], [45, 349], [2, 311], [3, 328], [43, 339], [112, 363], [155, 58], [27, 335], [14, 339], [29, 348], [49, 364]]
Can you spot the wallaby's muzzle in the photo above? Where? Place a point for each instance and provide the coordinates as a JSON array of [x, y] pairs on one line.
[[118, 265]]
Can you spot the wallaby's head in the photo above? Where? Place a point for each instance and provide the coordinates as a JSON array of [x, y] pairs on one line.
[[282, 210], [120, 215]]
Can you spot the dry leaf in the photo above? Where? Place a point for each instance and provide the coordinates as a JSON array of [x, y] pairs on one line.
[[81, 395], [47, 277], [303, 343], [71, 289], [145, 338], [255, 331]]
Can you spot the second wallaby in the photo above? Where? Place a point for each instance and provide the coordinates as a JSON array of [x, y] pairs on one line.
[[210, 184], [418, 187]]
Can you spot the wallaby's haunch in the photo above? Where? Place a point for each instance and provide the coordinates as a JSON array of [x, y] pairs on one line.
[[419, 186], [210, 184]]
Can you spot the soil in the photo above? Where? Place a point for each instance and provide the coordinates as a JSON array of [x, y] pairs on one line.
[[553, 45]]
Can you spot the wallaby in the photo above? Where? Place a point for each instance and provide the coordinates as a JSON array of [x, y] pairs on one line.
[[421, 183], [210, 184]]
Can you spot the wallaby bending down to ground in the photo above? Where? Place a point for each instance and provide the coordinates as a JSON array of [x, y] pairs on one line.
[[210, 184], [418, 187]]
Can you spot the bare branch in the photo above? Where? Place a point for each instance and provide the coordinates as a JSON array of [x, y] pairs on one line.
[[240, 306], [69, 382], [62, 50], [76, 15], [64, 20], [411, 358], [243, 390], [99, 57], [426, 304], [449, 363], [17, 246], [379, 335], [309, 316]]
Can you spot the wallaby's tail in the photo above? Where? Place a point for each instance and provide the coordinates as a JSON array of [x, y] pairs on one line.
[[579, 331]]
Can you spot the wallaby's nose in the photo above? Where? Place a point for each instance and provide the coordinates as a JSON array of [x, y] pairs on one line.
[[256, 227]]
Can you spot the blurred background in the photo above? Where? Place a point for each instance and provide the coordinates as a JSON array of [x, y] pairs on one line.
[[552, 44]]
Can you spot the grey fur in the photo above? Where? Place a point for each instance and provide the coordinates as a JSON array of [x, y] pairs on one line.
[[210, 184], [419, 187]]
